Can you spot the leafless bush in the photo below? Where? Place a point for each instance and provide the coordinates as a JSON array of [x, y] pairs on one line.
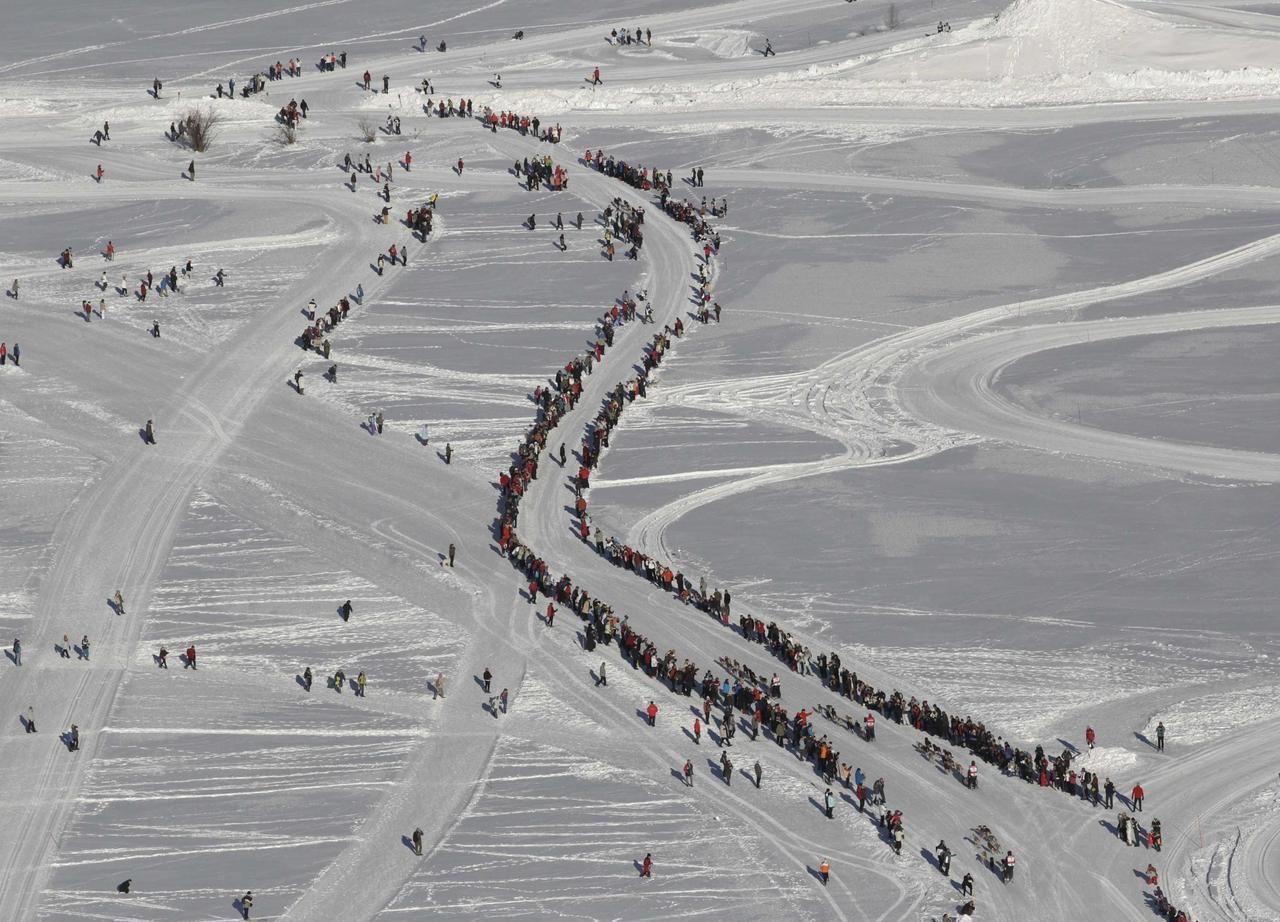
[[202, 127], [891, 21], [286, 133], [368, 129]]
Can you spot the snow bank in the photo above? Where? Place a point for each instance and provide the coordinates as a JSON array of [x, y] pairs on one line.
[[1037, 53], [1198, 720]]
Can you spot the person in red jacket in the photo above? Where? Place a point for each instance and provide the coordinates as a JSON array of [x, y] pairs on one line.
[[551, 614], [191, 657], [697, 731], [1137, 795], [1089, 736], [652, 711], [646, 867]]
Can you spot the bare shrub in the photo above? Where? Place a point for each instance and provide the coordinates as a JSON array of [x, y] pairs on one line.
[[202, 127], [368, 129], [285, 134]]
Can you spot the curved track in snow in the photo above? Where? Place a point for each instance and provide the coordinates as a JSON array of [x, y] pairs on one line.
[[913, 393], [956, 387]]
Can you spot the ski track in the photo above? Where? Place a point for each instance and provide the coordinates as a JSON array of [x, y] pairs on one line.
[[916, 392]]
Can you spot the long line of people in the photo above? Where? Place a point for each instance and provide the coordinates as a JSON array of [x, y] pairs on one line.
[[524, 124], [962, 732]]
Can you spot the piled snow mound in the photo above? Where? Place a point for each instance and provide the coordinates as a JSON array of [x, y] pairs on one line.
[[1036, 53], [1078, 39], [1066, 37]]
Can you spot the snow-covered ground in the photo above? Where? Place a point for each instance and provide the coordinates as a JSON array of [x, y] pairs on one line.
[[990, 412]]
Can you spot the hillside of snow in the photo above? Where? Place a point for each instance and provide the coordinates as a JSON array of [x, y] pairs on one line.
[[947, 353]]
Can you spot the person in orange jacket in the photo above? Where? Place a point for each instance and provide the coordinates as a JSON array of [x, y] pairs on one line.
[[824, 871], [652, 712]]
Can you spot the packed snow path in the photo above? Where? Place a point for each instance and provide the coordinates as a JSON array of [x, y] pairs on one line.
[[211, 534]]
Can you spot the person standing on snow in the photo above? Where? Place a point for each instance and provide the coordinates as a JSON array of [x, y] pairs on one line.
[[1089, 736], [646, 866], [652, 712], [417, 842], [246, 903], [824, 871], [697, 731], [1136, 796], [487, 677], [1159, 726], [17, 652], [191, 657], [306, 678], [828, 800], [943, 854], [688, 772], [604, 678], [1008, 867]]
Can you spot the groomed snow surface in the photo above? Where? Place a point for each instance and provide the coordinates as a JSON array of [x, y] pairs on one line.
[[990, 412]]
